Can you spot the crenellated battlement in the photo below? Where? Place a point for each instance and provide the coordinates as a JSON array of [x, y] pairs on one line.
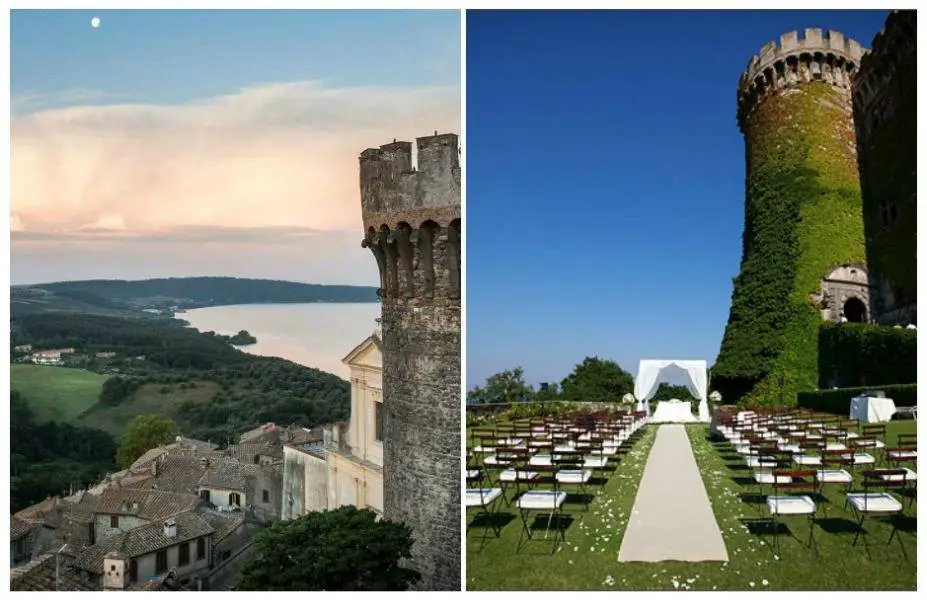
[[795, 60], [412, 218], [392, 192], [895, 45]]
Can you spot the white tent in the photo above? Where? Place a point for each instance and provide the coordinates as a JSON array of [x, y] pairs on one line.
[[648, 375]]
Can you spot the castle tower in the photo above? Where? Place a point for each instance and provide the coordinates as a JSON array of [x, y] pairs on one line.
[[803, 217], [412, 223], [885, 111]]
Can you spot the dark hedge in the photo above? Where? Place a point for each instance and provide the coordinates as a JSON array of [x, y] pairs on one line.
[[857, 354]]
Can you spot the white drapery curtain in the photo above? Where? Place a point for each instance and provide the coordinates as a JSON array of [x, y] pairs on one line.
[[648, 374]]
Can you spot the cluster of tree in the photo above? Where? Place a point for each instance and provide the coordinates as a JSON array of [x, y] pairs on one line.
[[593, 380], [266, 389], [192, 292], [346, 549], [144, 433], [242, 338], [51, 458]]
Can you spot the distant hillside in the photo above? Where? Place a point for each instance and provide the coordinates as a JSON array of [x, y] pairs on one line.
[[106, 296]]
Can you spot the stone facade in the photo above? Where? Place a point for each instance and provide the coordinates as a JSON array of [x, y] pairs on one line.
[[885, 112], [355, 467], [412, 224]]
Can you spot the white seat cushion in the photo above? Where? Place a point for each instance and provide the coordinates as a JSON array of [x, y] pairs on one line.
[[908, 476], [769, 478], [573, 476], [595, 462], [757, 462], [482, 496], [541, 500], [834, 476], [896, 454], [473, 473], [874, 502], [835, 446], [861, 458], [540, 460], [510, 475], [790, 505], [494, 461], [807, 460]]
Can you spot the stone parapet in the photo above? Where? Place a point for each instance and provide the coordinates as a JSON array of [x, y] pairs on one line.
[[795, 60]]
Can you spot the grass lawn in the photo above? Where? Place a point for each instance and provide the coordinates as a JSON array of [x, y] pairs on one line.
[[589, 558], [148, 400], [56, 393]]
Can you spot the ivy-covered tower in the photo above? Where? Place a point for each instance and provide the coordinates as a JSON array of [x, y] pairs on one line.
[[803, 245], [412, 221]]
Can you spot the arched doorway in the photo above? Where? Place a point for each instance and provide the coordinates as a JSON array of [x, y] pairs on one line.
[[854, 310]]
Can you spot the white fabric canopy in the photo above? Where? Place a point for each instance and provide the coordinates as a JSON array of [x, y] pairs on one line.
[[648, 375]]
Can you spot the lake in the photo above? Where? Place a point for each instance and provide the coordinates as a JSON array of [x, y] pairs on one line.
[[316, 335]]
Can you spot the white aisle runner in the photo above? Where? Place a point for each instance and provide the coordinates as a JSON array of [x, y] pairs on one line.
[[672, 517]]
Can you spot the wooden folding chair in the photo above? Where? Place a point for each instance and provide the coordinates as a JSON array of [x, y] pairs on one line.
[[482, 499], [878, 504], [782, 505], [904, 452]]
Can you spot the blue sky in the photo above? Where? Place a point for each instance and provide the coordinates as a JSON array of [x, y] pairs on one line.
[[175, 55], [190, 143], [605, 181]]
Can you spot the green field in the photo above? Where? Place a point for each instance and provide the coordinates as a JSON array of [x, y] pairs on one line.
[[148, 400], [56, 393], [588, 559]]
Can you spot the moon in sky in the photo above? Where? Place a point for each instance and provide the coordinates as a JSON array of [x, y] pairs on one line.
[[95, 22]]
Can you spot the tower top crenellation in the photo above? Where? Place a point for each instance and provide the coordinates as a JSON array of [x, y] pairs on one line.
[[796, 59], [392, 191]]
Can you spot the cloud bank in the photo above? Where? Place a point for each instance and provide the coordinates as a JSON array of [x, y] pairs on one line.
[[216, 179]]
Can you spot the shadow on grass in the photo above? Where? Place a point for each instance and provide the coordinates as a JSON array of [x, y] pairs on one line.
[[497, 520], [546, 530]]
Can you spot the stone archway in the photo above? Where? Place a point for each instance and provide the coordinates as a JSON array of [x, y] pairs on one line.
[[854, 310], [845, 287]]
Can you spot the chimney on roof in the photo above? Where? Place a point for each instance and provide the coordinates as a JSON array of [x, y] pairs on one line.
[[115, 574], [170, 528], [154, 468]]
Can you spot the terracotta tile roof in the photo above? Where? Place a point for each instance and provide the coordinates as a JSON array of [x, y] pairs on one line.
[[246, 451], [20, 529], [228, 474], [145, 504], [143, 540], [39, 575], [223, 523]]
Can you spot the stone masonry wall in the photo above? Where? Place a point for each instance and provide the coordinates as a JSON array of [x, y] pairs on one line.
[[413, 228]]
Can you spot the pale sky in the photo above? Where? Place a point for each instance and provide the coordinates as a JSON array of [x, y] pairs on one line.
[[236, 163]]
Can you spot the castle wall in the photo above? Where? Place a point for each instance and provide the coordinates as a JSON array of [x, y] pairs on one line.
[[803, 211], [885, 108], [413, 228]]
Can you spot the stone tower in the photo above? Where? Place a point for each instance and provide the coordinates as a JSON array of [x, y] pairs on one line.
[[803, 219], [885, 111], [413, 226]]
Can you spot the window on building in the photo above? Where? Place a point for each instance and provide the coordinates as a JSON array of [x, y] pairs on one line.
[[204, 494], [133, 571], [200, 549], [114, 522], [234, 499], [92, 533], [378, 420], [265, 496], [161, 561], [184, 554]]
